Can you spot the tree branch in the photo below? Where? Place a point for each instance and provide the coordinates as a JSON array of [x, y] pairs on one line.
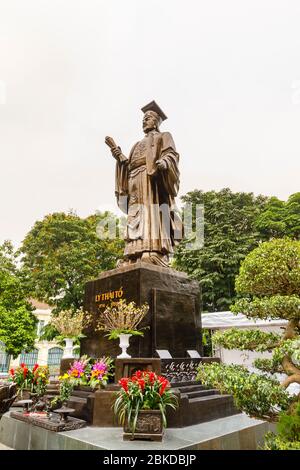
[[290, 331], [292, 371]]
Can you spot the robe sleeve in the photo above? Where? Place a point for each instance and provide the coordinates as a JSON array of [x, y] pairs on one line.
[[170, 176], [121, 181]]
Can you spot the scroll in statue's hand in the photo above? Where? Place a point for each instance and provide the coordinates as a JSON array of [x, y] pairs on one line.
[[116, 151], [110, 142], [161, 165]]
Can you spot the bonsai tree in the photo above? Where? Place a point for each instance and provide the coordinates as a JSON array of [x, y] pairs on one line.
[[268, 286]]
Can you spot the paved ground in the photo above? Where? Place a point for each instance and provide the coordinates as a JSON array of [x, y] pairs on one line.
[[3, 447]]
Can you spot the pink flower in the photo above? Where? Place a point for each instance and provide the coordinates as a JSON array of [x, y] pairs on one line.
[[99, 369], [77, 369]]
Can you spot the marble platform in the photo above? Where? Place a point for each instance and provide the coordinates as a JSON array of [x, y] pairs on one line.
[[238, 432]]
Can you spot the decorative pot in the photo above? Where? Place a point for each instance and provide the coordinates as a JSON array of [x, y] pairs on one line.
[[148, 426], [124, 343], [68, 350]]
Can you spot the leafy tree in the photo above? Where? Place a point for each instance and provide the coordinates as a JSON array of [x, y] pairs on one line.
[[280, 218], [288, 428], [269, 280], [17, 322], [257, 395], [62, 252], [229, 235]]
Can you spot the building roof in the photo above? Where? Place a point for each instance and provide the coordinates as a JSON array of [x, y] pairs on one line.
[[217, 320], [40, 307]]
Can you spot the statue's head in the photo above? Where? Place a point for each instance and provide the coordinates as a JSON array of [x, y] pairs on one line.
[[151, 121], [153, 117]]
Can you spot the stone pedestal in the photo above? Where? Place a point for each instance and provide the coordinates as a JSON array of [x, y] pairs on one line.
[[172, 323]]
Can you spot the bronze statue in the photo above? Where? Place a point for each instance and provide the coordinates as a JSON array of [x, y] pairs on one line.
[[146, 185]]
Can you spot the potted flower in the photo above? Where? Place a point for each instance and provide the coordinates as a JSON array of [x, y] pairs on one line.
[[120, 320], [68, 326], [32, 381], [141, 405], [86, 373]]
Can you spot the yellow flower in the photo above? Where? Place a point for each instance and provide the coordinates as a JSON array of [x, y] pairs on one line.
[[63, 377]]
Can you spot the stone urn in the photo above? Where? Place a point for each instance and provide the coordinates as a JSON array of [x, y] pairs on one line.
[[68, 350], [124, 344], [149, 426]]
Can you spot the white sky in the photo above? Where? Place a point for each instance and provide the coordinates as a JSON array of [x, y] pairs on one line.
[[226, 73]]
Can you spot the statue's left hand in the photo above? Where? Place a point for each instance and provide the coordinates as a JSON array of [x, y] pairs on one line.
[[161, 165], [110, 142]]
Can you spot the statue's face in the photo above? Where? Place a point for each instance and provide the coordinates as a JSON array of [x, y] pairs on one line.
[[149, 122]]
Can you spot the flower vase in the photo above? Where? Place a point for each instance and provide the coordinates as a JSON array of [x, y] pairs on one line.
[[124, 343], [68, 350]]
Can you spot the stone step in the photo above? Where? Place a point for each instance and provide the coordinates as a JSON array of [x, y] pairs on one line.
[[191, 388], [205, 399], [202, 393], [210, 407], [74, 399], [184, 384], [81, 393]]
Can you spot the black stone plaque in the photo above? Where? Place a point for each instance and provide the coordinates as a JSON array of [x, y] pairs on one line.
[[173, 321]]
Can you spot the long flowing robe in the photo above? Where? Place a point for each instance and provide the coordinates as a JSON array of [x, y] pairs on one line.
[[147, 195]]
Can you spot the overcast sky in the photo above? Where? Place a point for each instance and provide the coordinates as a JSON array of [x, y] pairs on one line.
[[226, 73]]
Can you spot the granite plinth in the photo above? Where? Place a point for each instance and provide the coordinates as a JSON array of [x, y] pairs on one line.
[[173, 321], [237, 432]]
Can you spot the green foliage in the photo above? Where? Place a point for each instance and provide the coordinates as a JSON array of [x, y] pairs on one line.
[[17, 329], [17, 322], [289, 347], [207, 342], [280, 218], [289, 424], [277, 306], [61, 253], [273, 442], [48, 333], [268, 365], [251, 340], [230, 234], [288, 437], [269, 278], [257, 395], [66, 388], [115, 334], [271, 269]]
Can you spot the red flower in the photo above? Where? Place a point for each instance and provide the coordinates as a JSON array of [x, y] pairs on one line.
[[22, 364], [25, 370], [164, 383], [138, 374], [12, 372], [152, 377], [124, 383], [35, 367], [141, 383]]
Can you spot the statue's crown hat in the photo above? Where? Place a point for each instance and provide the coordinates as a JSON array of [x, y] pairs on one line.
[[153, 106]]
